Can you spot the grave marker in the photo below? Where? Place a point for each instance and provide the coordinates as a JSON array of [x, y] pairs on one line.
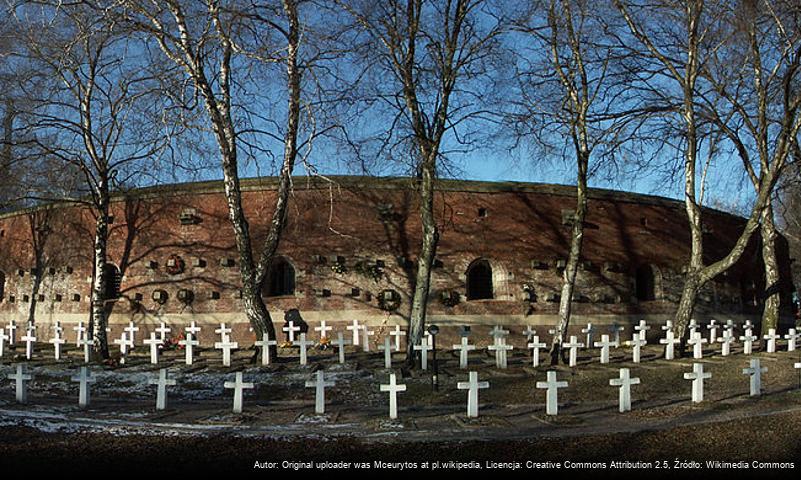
[[693, 327], [123, 342], [397, 333], [713, 331], [163, 330], [669, 342], [698, 376], [323, 329], [20, 379], [29, 340], [265, 344], [748, 341], [771, 337], [132, 329], [366, 338], [226, 347], [726, 340], [604, 344], [792, 338], [319, 393], [340, 343], [755, 371], [223, 331], [57, 341], [464, 349], [188, 344], [529, 332], [624, 381], [355, 328], [573, 345], [551, 395], [423, 348], [589, 330], [698, 345], [79, 329], [500, 348], [87, 346], [3, 338], [161, 390], [11, 329], [154, 343], [303, 344], [616, 329], [642, 328], [193, 329], [393, 388], [84, 379], [387, 349], [238, 387], [472, 386]]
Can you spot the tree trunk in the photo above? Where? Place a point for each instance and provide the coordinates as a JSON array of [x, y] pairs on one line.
[[685, 309], [99, 312], [770, 313], [569, 276]]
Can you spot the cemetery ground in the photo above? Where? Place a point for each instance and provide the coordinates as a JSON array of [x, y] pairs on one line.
[[198, 430]]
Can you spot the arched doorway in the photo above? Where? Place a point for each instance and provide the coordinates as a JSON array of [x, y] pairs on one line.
[[280, 279], [645, 283], [113, 281], [479, 280]]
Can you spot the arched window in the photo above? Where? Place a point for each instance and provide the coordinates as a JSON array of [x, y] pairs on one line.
[[113, 281], [281, 279], [645, 282], [479, 280]]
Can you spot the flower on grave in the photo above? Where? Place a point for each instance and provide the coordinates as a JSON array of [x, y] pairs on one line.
[[286, 344], [339, 268], [325, 342], [172, 342]]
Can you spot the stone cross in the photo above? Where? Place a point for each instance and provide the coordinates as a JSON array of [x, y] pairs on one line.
[[616, 329], [32, 326], [669, 342], [303, 344], [464, 330], [29, 340], [193, 329], [387, 349], [472, 386], [79, 329], [573, 345], [729, 326], [131, 329], [641, 328], [423, 348], [163, 330], [792, 338], [589, 331], [319, 393], [393, 389], [713, 331], [498, 332], [3, 338], [84, 379], [226, 346], [500, 348], [323, 329], [124, 343], [10, 329], [551, 395], [265, 344], [355, 328], [529, 332], [668, 326], [57, 341], [604, 344], [748, 341], [87, 346], [535, 346], [726, 340], [238, 387], [771, 337], [693, 326], [340, 343], [637, 342], [366, 338], [223, 331], [698, 345], [397, 333], [624, 382], [161, 390], [154, 343], [188, 344], [755, 372], [698, 376], [464, 350], [748, 324], [21, 387]]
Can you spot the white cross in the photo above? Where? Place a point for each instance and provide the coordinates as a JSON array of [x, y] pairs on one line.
[[161, 390], [698, 345], [748, 341], [124, 343], [57, 328], [291, 329], [21, 387], [573, 345], [84, 378], [771, 337], [154, 343], [393, 389], [366, 338], [693, 327], [87, 346], [32, 326], [529, 332], [472, 386], [340, 343], [604, 344], [79, 329], [498, 332], [29, 340], [303, 344], [464, 350], [193, 329], [535, 346], [223, 332], [319, 392], [792, 338], [713, 331], [265, 344], [423, 348], [500, 348], [748, 324], [669, 342], [238, 387], [668, 326], [726, 340], [698, 376], [730, 326], [397, 333], [131, 329], [163, 330], [355, 328], [387, 349], [323, 329], [3, 338], [624, 382], [590, 330], [189, 343], [551, 395], [57, 341], [10, 329], [616, 329], [755, 372], [637, 342], [642, 328], [226, 348]]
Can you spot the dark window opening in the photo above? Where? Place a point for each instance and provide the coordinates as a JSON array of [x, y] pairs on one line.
[[2, 286], [482, 212], [479, 281], [645, 283], [281, 280], [113, 281]]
